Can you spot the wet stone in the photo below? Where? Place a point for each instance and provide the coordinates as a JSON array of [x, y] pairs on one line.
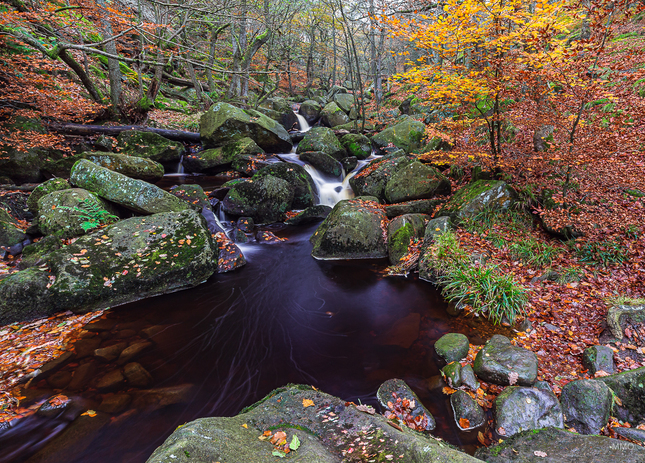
[[151, 331], [451, 347], [467, 412], [245, 224], [452, 374], [499, 359], [126, 334], [136, 375], [468, 378], [60, 379], [519, 409], [54, 365], [86, 347], [398, 387], [112, 380], [115, 403], [586, 405], [598, 358], [111, 353], [103, 324], [54, 406], [132, 351], [82, 376]]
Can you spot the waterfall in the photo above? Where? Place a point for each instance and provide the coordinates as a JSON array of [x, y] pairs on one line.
[[304, 126], [331, 192], [180, 166]]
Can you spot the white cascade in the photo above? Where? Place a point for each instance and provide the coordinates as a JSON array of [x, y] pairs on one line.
[[304, 126], [330, 192]]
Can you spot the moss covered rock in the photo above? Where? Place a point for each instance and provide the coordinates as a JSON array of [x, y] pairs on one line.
[[23, 166], [357, 145], [344, 101], [150, 145], [499, 359], [265, 199], [372, 179], [477, 197], [134, 194], [299, 180], [193, 195], [214, 159], [467, 412], [310, 110], [323, 162], [519, 409], [132, 166], [400, 231], [586, 404], [332, 115], [224, 123], [415, 181], [629, 387], [54, 184], [406, 135], [398, 387], [355, 229], [130, 260], [9, 233], [322, 139], [419, 206], [451, 347]]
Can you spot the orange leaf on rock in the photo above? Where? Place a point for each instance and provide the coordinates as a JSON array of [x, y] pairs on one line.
[[464, 423], [307, 403]]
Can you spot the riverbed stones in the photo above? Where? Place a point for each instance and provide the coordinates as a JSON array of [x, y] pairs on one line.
[[415, 181], [49, 186], [332, 116], [499, 359], [406, 135], [149, 145], [111, 381], [311, 214], [322, 139], [419, 206], [299, 180], [467, 412], [323, 162], [372, 179], [132, 166], [451, 347], [629, 387], [598, 358], [225, 439], [401, 231], [480, 196], [586, 404], [265, 199], [224, 123], [310, 110], [394, 389], [357, 145], [136, 375], [452, 374], [110, 353], [354, 229], [519, 409], [137, 195], [216, 159]]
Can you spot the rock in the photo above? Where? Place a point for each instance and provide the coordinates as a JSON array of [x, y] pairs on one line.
[[193, 195], [452, 374], [357, 145], [372, 179], [332, 115], [393, 389], [542, 136], [86, 347], [60, 379], [23, 166], [115, 403], [53, 366], [136, 375], [54, 406], [634, 434], [150, 145], [323, 162], [97, 270], [310, 110], [131, 166], [110, 353], [265, 199], [354, 229], [586, 404], [54, 184], [415, 181], [519, 409], [468, 378], [73, 212], [420, 206], [246, 224], [110, 381], [284, 116], [304, 189], [629, 387], [154, 399], [322, 139], [224, 123], [10, 235], [406, 135], [436, 227], [83, 374], [344, 101], [400, 231], [311, 214], [349, 163], [230, 256], [467, 412], [598, 358], [552, 445], [617, 314], [137, 195], [336, 89], [451, 347], [477, 197], [133, 351], [499, 359], [100, 325], [403, 333], [215, 159]]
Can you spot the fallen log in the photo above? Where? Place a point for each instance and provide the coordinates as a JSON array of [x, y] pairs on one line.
[[184, 82], [115, 130]]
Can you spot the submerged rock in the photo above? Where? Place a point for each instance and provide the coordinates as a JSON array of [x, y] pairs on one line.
[[311, 214]]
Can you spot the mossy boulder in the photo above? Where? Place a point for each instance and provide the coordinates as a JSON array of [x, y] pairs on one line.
[[323, 162], [9, 233], [22, 165], [598, 358], [519, 409], [284, 116], [467, 412], [372, 179], [418, 206], [482, 195], [265, 199], [132, 166], [406, 135], [73, 212], [299, 180], [130, 260], [137, 195], [344, 101], [499, 359], [629, 387], [586, 404], [310, 110], [416, 181], [355, 229], [224, 123], [451, 347], [149, 145], [215, 159], [49, 186], [400, 231], [357, 145], [311, 214], [193, 195], [322, 440], [398, 388], [332, 115], [322, 139]]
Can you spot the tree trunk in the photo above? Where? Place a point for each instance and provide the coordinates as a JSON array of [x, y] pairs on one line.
[[114, 71], [81, 129]]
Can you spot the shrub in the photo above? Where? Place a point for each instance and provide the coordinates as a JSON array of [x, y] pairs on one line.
[[534, 252]]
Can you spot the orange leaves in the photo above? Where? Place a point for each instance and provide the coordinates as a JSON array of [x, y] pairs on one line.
[[307, 403]]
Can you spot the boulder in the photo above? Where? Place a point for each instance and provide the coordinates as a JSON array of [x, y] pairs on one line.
[[23, 165], [344, 101], [468, 378], [73, 212], [519, 409], [216, 159], [598, 358], [400, 231], [451, 374], [349, 163], [451, 347], [467, 412], [629, 387], [265, 199], [394, 389], [419, 206], [406, 135], [322, 440], [415, 181], [436, 227], [311, 214], [332, 115], [477, 197], [586, 404], [49, 186], [150, 145], [10, 235], [193, 194], [357, 145], [137, 195], [372, 179], [323, 162], [619, 313], [553, 445], [224, 123], [354, 229], [310, 110], [499, 359], [299, 180], [130, 260], [322, 139], [132, 166]]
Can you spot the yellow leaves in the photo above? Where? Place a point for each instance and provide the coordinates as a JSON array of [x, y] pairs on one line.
[[307, 403], [90, 413]]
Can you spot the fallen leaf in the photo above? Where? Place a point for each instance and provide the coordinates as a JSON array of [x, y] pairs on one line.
[[90, 413], [295, 443], [464, 423], [307, 403]]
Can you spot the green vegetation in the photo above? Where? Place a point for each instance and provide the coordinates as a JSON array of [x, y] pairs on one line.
[[603, 253], [534, 252]]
